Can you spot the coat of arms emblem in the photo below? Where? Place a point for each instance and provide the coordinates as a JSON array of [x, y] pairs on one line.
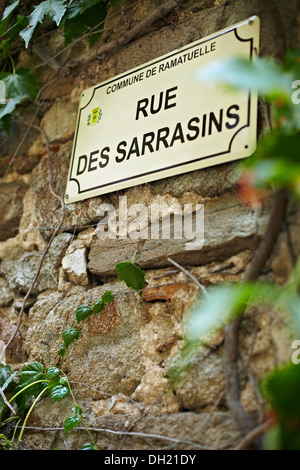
[[94, 117]]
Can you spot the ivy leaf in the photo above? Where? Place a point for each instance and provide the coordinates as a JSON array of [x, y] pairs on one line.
[[82, 312], [7, 16], [72, 421], [98, 306], [30, 373], [11, 34], [86, 4], [107, 297], [80, 17], [58, 393], [88, 447], [63, 381], [133, 276], [62, 351], [54, 9], [5, 373], [18, 86], [9, 9], [52, 372], [69, 336]]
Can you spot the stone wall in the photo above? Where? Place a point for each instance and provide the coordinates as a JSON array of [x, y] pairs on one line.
[[118, 365]]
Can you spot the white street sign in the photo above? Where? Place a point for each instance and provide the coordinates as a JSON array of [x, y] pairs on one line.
[[159, 120]]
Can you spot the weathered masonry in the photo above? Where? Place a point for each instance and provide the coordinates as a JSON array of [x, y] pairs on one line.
[[118, 367]]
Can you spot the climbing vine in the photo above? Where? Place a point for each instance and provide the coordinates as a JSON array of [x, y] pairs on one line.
[[20, 25], [36, 382]]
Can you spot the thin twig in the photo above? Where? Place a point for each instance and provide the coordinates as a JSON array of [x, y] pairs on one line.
[[125, 433], [188, 274], [5, 401]]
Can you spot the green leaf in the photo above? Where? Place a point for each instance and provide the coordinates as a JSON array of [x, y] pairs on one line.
[[18, 86], [58, 393], [5, 374], [7, 123], [88, 447], [281, 389], [98, 307], [11, 34], [82, 312], [54, 9], [7, 16], [86, 4], [9, 9], [223, 304], [52, 372], [107, 297], [77, 22], [113, 3], [69, 336], [131, 274], [77, 410], [63, 380], [62, 351], [264, 75], [70, 423], [276, 161], [31, 373]]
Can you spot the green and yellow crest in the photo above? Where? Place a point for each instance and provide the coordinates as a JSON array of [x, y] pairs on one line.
[[94, 117]]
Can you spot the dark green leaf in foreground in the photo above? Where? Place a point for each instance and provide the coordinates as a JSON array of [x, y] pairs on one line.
[[32, 374], [18, 86], [80, 17], [5, 373], [54, 9], [131, 274], [281, 389], [264, 75]]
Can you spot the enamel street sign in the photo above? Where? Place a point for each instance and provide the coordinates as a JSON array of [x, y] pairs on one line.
[[160, 119]]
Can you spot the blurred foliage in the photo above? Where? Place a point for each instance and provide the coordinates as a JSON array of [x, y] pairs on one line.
[[275, 164], [276, 161], [74, 18]]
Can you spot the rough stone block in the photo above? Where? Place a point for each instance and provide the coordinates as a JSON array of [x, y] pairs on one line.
[[229, 228], [19, 267], [11, 208]]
